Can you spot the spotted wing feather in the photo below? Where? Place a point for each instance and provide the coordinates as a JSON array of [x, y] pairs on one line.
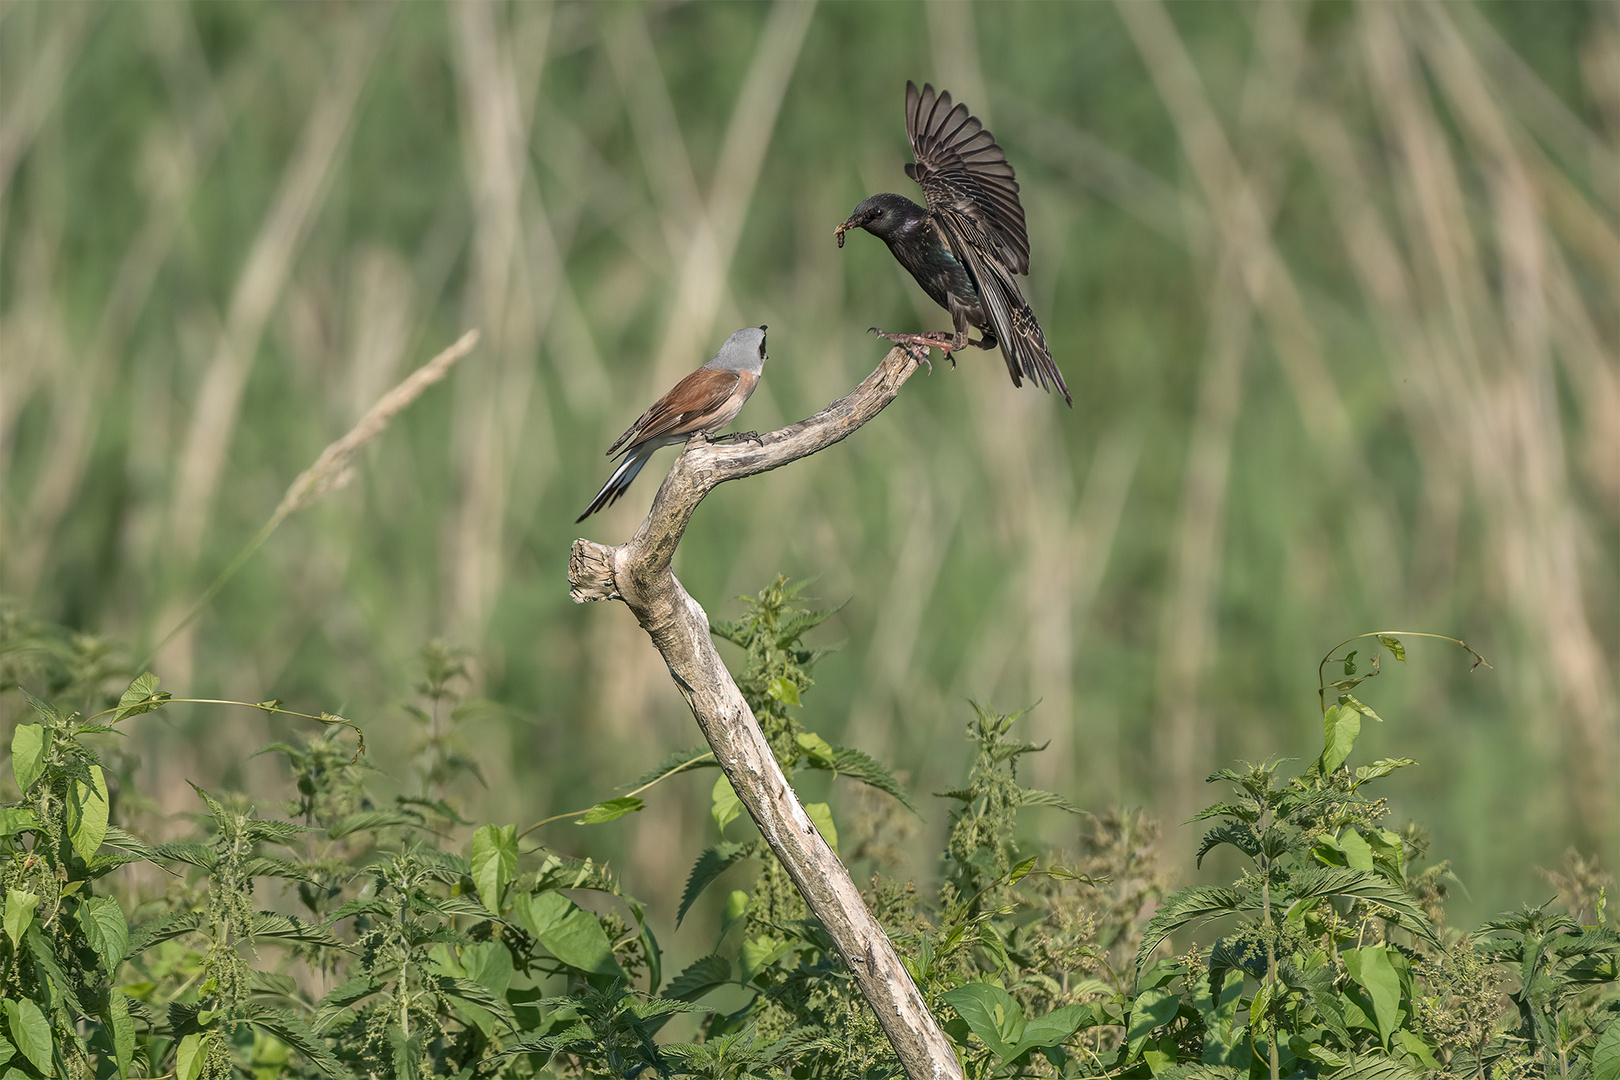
[[963, 170]]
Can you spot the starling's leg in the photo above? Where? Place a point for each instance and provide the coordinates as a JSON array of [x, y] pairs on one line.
[[938, 339]]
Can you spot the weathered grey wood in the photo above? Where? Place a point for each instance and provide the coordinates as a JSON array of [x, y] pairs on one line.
[[638, 572]]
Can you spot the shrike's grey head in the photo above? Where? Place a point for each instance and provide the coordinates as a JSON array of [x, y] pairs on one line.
[[743, 351]]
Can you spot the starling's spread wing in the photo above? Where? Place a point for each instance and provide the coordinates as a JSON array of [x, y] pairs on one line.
[[963, 171], [682, 411], [1023, 345]]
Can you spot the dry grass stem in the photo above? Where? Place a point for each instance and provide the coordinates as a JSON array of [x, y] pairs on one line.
[[331, 470]]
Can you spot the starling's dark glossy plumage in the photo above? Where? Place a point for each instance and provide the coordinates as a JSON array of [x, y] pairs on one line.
[[966, 247]]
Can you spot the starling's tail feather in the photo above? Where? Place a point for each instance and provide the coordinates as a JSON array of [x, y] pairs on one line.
[[1023, 345], [619, 482], [1027, 344]]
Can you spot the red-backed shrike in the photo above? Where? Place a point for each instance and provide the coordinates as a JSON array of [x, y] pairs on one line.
[[705, 401]]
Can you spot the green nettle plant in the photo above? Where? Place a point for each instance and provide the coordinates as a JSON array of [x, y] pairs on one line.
[[353, 938]]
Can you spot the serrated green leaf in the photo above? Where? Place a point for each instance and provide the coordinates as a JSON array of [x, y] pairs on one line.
[[658, 1008], [1184, 908], [215, 807], [30, 1033], [478, 997], [1037, 797], [1341, 724], [20, 905], [494, 861], [372, 821], [1222, 809], [407, 1053], [163, 929], [285, 833], [188, 851], [141, 697], [27, 754], [291, 1029], [271, 867], [1381, 767], [611, 810], [349, 992], [724, 804], [711, 863], [105, 927], [569, 932], [274, 984], [1375, 1067], [1239, 834], [847, 761], [1322, 882], [276, 927], [700, 976], [821, 816]]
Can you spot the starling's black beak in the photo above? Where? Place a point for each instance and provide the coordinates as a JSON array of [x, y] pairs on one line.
[[854, 222]]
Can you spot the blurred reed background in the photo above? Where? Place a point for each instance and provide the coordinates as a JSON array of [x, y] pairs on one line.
[[1334, 285]]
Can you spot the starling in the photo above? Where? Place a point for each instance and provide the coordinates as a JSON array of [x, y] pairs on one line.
[[705, 401], [965, 248]]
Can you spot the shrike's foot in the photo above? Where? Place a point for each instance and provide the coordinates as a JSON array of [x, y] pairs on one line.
[[742, 436]]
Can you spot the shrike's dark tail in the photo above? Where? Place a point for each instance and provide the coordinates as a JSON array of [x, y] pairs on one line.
[[619, 482]]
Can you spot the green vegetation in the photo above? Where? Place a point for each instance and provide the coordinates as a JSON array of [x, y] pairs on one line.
[[352, 936], [1334, 284]]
